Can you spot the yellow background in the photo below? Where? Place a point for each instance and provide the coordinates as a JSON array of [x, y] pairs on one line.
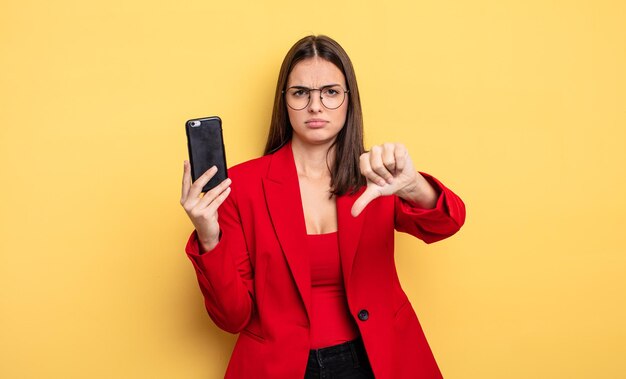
[[520, 107]]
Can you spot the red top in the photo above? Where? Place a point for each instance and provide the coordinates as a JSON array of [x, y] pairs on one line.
[[331, 323]]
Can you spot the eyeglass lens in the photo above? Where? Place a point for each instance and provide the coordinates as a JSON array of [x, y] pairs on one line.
[[299, 97]]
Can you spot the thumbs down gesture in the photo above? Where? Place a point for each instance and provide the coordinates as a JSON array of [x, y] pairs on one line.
[[389, 170]]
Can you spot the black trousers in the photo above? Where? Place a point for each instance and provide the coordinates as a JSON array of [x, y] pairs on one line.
[[345, 361]]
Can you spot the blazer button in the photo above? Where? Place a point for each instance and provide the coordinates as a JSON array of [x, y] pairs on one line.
[[364, 315]]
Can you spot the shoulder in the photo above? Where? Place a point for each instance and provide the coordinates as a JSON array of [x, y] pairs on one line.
[[254, 168], [247, 180], [260, 167]]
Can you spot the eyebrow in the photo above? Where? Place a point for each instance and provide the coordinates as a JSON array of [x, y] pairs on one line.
[[324, 86]]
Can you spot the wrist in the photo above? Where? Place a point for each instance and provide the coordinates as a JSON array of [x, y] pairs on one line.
[[420, 193], [207, 244], [206, 247]]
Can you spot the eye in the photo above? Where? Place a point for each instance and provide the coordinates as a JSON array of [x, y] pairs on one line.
[[332, 91], [299, 92]]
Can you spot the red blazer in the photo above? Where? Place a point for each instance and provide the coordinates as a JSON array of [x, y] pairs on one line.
[[256, 281]]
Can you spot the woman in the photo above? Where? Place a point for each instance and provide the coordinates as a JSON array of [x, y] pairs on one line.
[[300, 259]]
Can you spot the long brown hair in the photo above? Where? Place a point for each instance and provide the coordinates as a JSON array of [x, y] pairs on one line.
[[345, 174]]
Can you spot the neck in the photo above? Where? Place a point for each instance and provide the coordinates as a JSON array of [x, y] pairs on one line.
[[313, 161]]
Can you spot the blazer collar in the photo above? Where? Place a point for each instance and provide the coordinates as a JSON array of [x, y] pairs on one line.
[[284, 202], [349, 228]]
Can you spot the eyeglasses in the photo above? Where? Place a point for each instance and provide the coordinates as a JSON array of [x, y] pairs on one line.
[[298, 97]]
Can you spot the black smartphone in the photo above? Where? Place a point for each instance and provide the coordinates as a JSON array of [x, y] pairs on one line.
[[206, 149]]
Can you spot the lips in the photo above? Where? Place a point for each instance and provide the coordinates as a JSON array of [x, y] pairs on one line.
[[316, 123]]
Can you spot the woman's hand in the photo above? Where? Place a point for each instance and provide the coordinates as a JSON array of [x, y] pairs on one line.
[[389, 170], [202, 210]]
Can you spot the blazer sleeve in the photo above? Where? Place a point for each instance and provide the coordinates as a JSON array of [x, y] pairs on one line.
[[431, 225], [225, 273]]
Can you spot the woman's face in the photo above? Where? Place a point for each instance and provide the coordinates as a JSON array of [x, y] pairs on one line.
[[315, 123]]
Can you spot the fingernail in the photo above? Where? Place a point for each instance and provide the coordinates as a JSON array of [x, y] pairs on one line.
[[382, 182]]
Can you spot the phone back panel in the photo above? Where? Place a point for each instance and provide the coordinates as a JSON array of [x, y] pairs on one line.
[[206, 149]]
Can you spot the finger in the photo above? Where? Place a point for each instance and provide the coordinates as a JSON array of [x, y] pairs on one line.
[[366, 197], [186, 182], [401, 154], [210, 196], [366, 170], [389, 158], [215, 204], [376, 161], [197, 186]]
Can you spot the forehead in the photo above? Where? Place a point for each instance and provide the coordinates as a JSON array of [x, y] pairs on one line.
[[315, 72]]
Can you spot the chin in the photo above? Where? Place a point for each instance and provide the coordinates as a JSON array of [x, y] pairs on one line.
[[318, 136]]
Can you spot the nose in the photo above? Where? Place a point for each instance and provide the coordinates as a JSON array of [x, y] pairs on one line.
[[315, 101]]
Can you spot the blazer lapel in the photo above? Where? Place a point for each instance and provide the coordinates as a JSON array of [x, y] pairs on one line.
[[282, 195], [349, 228]]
